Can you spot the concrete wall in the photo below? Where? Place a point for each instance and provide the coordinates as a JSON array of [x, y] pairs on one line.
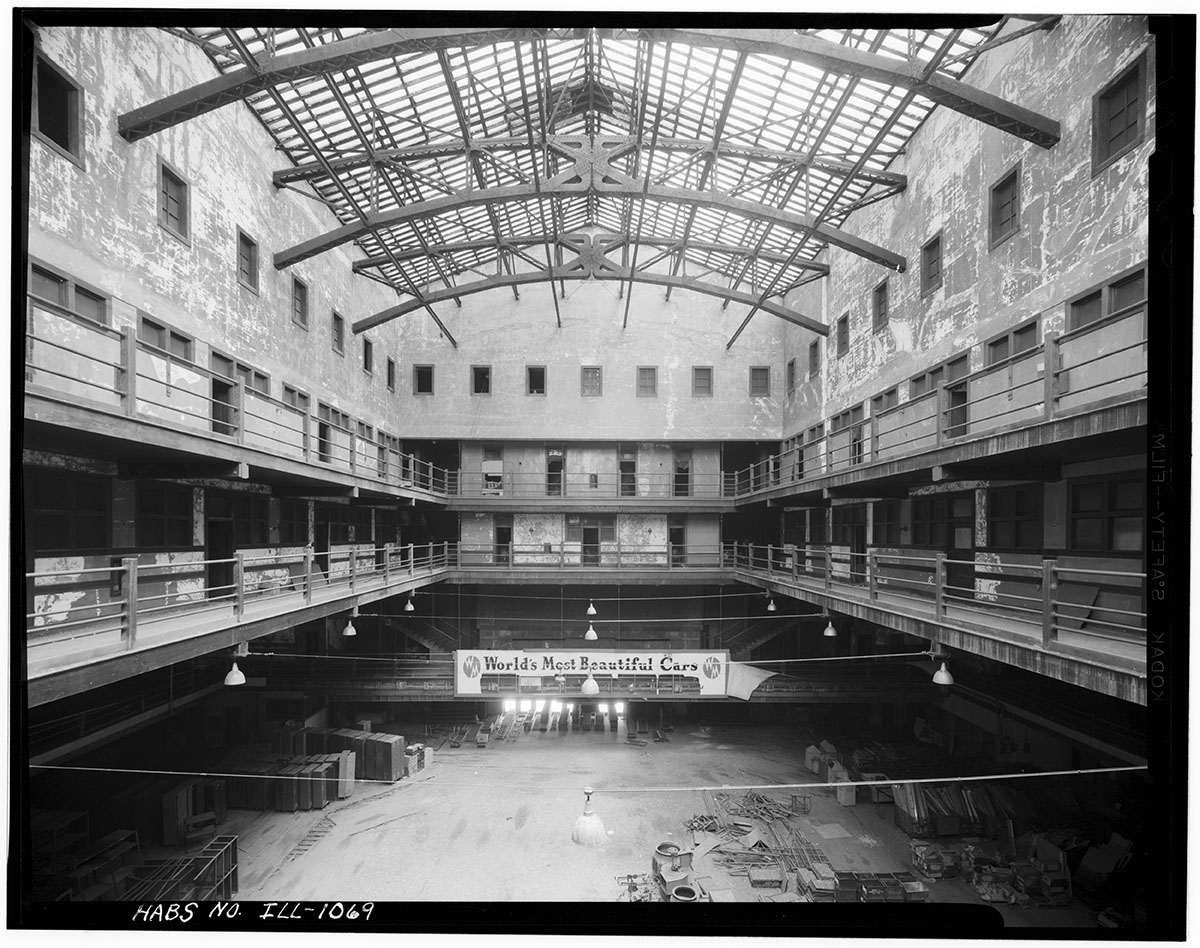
[[100, 225], [1075, 229]]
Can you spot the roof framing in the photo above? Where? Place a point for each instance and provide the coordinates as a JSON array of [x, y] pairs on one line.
[[727, 160]]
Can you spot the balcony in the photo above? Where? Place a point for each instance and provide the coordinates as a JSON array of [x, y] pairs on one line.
[[1069, 616], [695, 492], [93, 625], [1097, 366], [103, 381]]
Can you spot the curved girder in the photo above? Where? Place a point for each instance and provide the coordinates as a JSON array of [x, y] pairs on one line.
[[624, 188], [669, 244], [370, 47], [570, 273], [953, 94], [290, 67], [308, 171]]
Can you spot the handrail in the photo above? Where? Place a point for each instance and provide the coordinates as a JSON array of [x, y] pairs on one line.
[[1131, 310], [57, 309]]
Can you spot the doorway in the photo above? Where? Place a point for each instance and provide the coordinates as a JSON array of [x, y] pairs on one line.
[[627, 460], [960, 545], [554, 472], [591, 544], [683, 474], [677, 539], [502, 539], [321, 545], [222, 395], [218, 547]]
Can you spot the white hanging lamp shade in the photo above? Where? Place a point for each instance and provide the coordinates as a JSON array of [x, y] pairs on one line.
[[830, 632], [349, 631], [408, 606], [590, 686], [589, 830], [591, 609], [943, 677], [235, 676], [590, 634], [771, 605]]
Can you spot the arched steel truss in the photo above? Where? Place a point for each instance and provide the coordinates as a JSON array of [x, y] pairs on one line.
[[721, 161]]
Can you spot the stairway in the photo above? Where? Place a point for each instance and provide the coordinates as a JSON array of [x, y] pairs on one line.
[[428, 634], [743, 642]]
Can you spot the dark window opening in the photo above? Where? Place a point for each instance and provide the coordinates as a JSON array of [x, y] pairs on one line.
[[1005, 207], [931, 265], [535, 380], [481, 380], [422, 379]]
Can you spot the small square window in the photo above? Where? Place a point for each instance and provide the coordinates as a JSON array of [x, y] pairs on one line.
[[879, 308], [47, 285], [931, 265], [247, 260], [339, 334], [1005, 207], [814, 358], [481, 380], [422, 379], [58, 109], [702, 381], [173, 201], [391, 375], [299, 302], [791, 376], [647, 381], [535, 380], [161, 337], [92, 305], [368, 356], [1119, 116], [843, 335], [591, 380], [760, 381]]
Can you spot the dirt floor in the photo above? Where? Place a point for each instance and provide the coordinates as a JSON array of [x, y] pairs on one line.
[[500, 820]]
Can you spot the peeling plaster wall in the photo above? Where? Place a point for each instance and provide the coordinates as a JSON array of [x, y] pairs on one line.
[[493, 329], [1075, 229], [100, 225]]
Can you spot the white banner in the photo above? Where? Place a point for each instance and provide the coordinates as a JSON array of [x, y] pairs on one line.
[[471, 666]]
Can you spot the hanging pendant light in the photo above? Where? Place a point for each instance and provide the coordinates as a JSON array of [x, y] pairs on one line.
[[590, 634], [943, 677], [235, 676], [591, 609], [830, 632], [590, 686], [589, 830], [771, 605], [408, 606], [349, 631]]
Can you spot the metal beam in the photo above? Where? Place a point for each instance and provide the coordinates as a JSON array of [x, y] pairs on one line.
[[182, 470], [615, 272], [304, 64], [309, 170], [791, 220], [954, 94], [672, 244]]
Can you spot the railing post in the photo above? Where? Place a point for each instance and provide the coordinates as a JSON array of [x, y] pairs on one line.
[[308, 573], [1050, 355], [445, 552], [411, 565], [239, 410], [130, 564], [305, 435], [562, 554], [618, 551], [353, 451], [939, 401], [828, 553], [939, 580], [1049, 635], [872, 568], [387, 563], [770, 559], [239, 583], [353, 566], [129, 367]]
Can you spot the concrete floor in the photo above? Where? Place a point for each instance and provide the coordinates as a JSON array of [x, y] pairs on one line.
[[494, 825]]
